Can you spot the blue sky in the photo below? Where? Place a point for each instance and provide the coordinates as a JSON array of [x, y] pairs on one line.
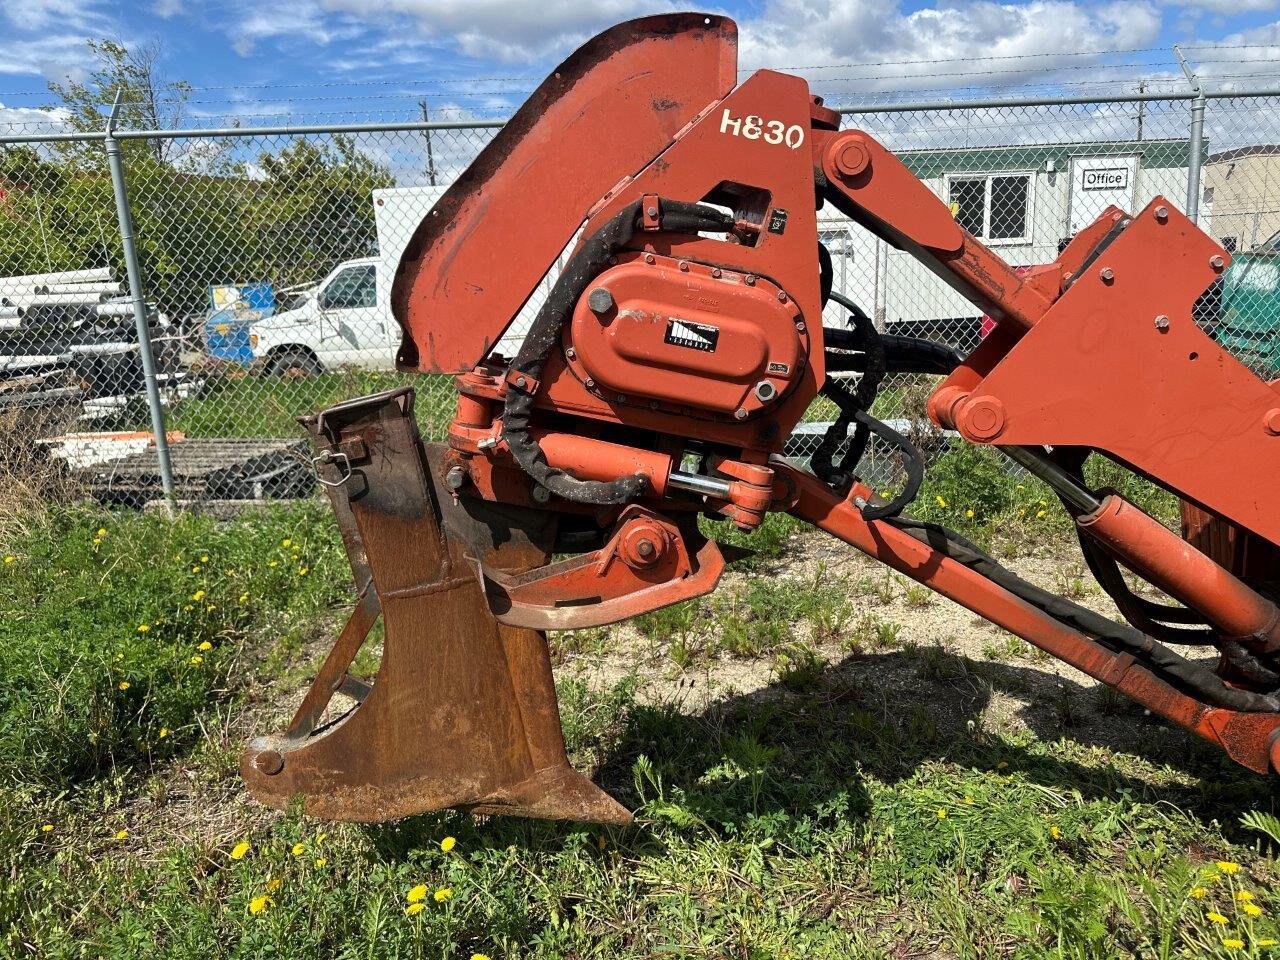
[[374, 58]]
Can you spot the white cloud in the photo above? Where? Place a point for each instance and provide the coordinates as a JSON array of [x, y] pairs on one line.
[[42, 14], [168, 9], [17, 120], [1227, 7], [904, 49]]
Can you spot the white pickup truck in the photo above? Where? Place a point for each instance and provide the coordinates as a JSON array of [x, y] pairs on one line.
[[345, 320]]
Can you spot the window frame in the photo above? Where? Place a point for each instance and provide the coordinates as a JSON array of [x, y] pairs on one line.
[[1028, 237], [370, 268]]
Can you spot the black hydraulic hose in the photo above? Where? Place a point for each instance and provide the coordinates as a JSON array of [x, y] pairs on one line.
[[582, 268], [901, 354], [866, 338], [1190, 676]]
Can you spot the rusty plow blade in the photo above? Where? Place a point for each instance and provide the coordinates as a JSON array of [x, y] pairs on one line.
[[462, 712]]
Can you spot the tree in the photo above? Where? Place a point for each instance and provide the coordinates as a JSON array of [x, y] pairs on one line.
[[149, 100]]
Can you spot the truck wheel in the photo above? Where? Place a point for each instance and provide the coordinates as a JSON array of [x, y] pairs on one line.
[[294, 364]]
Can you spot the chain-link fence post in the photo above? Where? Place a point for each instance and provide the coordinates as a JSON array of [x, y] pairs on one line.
[[141, 320], [1195, 155]]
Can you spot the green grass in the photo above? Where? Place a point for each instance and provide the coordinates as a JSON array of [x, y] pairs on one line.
[[869, 808], [248, 405], [120, 628]]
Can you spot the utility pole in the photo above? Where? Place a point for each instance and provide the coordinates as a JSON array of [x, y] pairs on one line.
[[1142, 107], [431, 162]]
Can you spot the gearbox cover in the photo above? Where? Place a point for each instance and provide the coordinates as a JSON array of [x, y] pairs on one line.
[[686, 335]]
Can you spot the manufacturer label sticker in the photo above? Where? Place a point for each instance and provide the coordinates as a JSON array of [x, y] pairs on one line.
[[695, 336]]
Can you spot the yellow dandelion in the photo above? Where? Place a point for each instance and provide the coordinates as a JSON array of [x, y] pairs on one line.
[[274, 884], [273, 564], [1233, 943], [102, 532], [479, 956], [164, 732], [320, 837], [1214, 917], [415, 908], [1055, 831], [968, 799], [417, 894], [447, 844], [298, 849], [303, 571], [942, 813], [320, 862], [969, 513], [1199, 892], [204, 558], [1267, 942], [210, 608], [188, 606], [443, 894], [1227, 867], [258, 904], [97, 541], [10, 559], [941, 502], [123, 685], [244, 598], [205, 645], [198, 596], [195, 568], [1252, 909], [197, 660], [47, 828], [1243, 896], [1040, 514], [240, 850], [122, 834], [286, 543], [144, 627]]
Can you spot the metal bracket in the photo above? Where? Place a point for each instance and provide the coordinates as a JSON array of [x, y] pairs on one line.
[[339, 459]]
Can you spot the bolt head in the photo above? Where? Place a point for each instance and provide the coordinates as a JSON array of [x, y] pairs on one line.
[[740, 414], [541, 494], [1162, 214], [800, 326], [600, 300], [1217, 262], [1162, 322], [852, 159], [590, 384], [716, 272], [455, 478], [651, 211], [648, 258], [645, 548], [268, 762], [782, 296], [1271, 422], [684, 266], [1107, 274], [749, 279]]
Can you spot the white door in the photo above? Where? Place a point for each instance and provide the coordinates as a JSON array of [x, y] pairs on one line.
[[353, 330], [1097, 183]]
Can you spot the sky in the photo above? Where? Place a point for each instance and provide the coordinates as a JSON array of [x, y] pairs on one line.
[[315, 60]]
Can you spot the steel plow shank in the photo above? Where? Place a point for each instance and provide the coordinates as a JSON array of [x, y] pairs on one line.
[[462, 712]]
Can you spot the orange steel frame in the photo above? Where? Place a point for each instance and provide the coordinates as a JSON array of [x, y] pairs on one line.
[[1096, 351]]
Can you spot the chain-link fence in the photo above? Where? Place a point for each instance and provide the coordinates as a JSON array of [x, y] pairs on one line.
[[265, 258]]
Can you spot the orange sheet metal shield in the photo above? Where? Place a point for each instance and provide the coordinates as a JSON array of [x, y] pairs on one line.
[[603, 114], [462, 712]]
